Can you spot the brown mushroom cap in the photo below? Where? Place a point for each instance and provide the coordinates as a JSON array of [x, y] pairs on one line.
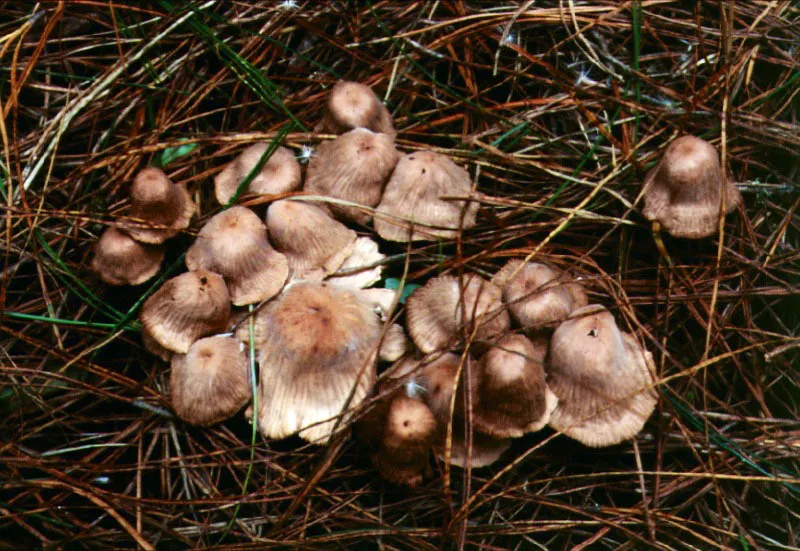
[[315, 244], [234, 244], [120, 260], [185, 308], [684, 191], [435, 318], [159, 207], [320, 343], [602, 377], [211, 382], [280, 174], [538, 295], [352, 167], [365, 253], [353, 105], [415, 192]]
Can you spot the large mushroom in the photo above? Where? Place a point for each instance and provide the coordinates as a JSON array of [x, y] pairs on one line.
[[159, 207], [354, 105], [121, 260], [279, 174]]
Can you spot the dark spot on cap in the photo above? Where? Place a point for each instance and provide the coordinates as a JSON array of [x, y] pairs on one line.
[[203, 280]]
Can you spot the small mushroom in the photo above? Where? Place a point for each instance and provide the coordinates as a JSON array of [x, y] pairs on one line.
[[362, 267], [211, 382], [602, 377], [416, 190], [394, 344], [684, 191], [352, 167], [120, 260], [353, 105], [280, 174], [234, 244], [159, 208], [185, 308]]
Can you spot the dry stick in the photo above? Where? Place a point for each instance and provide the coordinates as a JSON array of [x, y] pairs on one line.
[[651, 525]]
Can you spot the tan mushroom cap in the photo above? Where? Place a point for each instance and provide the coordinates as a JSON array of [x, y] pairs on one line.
[[315, 244], [159, 208], [211, 382], [394, 344], [354, 105], [120, 260], [602, 377], [320, 344], [538, 295], [361, 267], [185, 308], [352, 167], [415, 192], [280, 174], [234, 244], [435, 318], [152, 346], [684, 191]]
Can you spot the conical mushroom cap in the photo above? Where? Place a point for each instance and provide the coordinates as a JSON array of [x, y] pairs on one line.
[[280, 174], [315, 244], [602, 377], [234, 244], [684, 191], [511, 395], [538, 295], [352, 167], [185, 308], [211, 382], [434, 314], [320, 344], [394, 344], [120, 260], [365, 253], [415, 192], [161, 208], [353, 105]]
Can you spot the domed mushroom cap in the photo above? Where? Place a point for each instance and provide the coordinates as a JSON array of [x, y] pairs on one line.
[[120, 260], [352, 167], [538, 295], [394, 344], [684, 191], [415, 192], [361, 266], [353, 105], [159, 208], [435, 317], [602, 377], [211, 382], [185, 308], [320, 343], [315, 244], [280, 174], [234, 244]]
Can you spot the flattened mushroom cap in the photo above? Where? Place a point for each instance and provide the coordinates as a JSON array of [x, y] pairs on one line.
[[234, 244], [120, 260], [352, 167], [320, 343], [161, 207], [365, 253], [435, 317], [315, 244], [185, 308], [684, 191], [415, 192], [602, 377], [211, 382], [354, 105], [538, 295], [280, 174]]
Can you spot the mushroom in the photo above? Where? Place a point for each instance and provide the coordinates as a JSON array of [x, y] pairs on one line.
[[159, 208], [211, 382], [185, 308], [684, 191], [435, 317], [603, 379], [362, 267], [318, 352], [353, 105], [352, 167], [234, 244], [394, 344], [315, 244], [416, 190], [120, 260], [280, 174], [538, 295]]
